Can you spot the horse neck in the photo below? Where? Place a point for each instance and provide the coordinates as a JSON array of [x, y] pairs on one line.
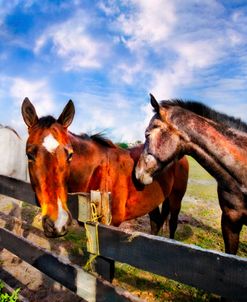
[[222, 154], [89, 164]]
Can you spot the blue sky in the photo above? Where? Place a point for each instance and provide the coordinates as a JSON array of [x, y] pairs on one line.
[[107, 56]]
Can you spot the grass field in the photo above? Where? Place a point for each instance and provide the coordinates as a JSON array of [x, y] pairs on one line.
[[201, 213]]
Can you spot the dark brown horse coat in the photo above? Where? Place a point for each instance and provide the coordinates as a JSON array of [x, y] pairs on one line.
[[218, 142]]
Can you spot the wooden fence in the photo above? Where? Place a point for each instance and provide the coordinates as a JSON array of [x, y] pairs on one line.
[[215, 272]]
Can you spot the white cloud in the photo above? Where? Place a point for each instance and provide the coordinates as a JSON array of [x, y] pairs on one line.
[[191, 58], [164, 47], [109, 7], [12, 93], [128, 72], [72, 42], [120, 118], [37, 91], [185, 39], [151, 22]]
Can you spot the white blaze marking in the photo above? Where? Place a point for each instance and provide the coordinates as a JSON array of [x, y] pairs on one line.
[[62, 217], [50, 143]]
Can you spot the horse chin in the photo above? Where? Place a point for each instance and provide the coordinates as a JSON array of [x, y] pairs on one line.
[[146, 179], [143, 177], [145, 168]]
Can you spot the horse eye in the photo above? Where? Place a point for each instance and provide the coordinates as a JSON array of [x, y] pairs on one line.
[[30, 156], [70, 154], [155, 127]]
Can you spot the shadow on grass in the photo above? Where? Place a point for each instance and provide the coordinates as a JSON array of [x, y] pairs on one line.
[[161, 288], [210, 237], [189, 220]]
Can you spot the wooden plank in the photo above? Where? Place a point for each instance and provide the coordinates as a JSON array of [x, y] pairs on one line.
[[71, 276], [215, 272], [17, 189]]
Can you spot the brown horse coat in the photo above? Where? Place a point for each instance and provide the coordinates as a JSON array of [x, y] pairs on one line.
[[62, 162]]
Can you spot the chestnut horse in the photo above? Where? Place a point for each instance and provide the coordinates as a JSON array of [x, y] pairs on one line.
[[218, 142], [61, 162]]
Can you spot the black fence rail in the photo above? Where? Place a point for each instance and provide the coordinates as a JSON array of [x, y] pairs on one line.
[[215, 272]]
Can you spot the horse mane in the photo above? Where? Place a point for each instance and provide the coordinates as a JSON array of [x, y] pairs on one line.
[[11, 129], [207, 112], [101, 139], [98, 138]]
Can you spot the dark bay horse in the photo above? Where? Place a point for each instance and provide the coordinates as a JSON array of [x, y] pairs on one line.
[[62, 162], [218, 142]]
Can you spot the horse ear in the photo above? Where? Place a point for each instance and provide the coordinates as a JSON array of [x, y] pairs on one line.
[[29, 113], [154, 103], [66, 117]]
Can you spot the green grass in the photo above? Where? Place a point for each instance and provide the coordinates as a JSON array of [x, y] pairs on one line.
[[201, 213], [151, 287], [77, 247], [6, 297]]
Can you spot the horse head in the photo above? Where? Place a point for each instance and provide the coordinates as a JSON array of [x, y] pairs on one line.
[[49, 153], [162, 145]]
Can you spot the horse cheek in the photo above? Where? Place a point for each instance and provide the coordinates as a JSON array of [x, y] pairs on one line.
[[165, 147]]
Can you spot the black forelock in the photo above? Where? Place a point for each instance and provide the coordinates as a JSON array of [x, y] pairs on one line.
[[46, 121]]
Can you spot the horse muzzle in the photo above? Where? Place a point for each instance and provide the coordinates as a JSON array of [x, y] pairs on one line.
[[145, 168], [52, 230]]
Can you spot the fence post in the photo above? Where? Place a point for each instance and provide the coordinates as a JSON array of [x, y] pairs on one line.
[[105, 268]]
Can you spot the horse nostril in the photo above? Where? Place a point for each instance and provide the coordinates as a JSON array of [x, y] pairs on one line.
[[64, 230], [48, 226], [47, 222]]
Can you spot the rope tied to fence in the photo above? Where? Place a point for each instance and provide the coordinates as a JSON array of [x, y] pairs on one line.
[[92, 237], [91, 212]]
